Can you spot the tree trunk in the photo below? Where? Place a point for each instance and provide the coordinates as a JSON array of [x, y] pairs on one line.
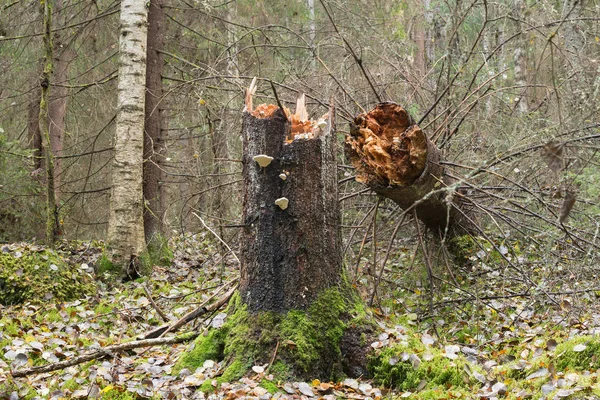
[[52, 221], [289, 256], [395, 158], [58, 110], [153, 139], [520, 55], [33, 131], [294, 311], [126, 223]]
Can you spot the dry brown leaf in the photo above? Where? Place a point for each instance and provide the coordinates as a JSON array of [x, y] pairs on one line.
[[552, 153], [567, 206]]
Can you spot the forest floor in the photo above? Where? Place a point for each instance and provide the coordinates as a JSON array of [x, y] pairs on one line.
[[483, 333]]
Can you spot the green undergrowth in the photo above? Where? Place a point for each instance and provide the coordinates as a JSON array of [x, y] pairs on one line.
[[409, 365], [585, 357], [467, 249], [306, 343], [41, 276]]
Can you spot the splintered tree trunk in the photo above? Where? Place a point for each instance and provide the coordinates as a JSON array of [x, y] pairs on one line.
[[291, 241], [394, 157]]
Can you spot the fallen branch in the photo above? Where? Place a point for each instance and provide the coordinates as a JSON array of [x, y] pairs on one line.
[[103, 353], [154, 305], [192, 315]]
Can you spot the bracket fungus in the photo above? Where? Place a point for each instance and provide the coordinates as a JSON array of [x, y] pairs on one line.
[[282, 203], [283, 177], [263, 160]]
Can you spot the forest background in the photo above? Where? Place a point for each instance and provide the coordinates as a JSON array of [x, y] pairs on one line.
[[507, 90]]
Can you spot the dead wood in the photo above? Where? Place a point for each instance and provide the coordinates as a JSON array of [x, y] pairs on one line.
[[290, 249], [192, 315], [103, 352], [396, 159]]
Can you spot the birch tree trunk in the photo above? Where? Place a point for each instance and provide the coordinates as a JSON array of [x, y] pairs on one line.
[[520, 54], [313, 33], [126, 223], [573, 37]]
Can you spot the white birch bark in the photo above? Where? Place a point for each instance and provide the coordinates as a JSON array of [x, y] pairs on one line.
[[313, 32], [125, 224], [520, 53]]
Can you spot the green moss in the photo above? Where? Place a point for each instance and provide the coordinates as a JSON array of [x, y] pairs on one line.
[[270, 386], [588, 359], [9, 328], [209, 347], [103, 308], [106, 267], [308, 342], [117, 394], [234, 371], [389, 369], [70, 384], [281, 371], [50, 316], [40, 276], [207, 386]]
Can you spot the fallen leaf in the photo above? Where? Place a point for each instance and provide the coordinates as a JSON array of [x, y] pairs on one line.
[[579, 348], [305, 389]]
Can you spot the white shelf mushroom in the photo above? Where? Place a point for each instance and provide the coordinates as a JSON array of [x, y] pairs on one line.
[[282, 203], [283, 177], [263, 160]]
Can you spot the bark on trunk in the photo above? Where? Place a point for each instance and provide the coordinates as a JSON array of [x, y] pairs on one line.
[[33, 131], [394, 157], [58, 110], [520, 55], [126, 223], [293, 310], [289, 254], [153, 139], [52, 221]]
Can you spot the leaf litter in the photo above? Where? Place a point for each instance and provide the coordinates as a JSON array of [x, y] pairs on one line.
[[512, 345]]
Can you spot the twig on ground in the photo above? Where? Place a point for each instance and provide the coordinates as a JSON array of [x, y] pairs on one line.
[[201, 310], [103, 353], [273, 357], [153, 303]]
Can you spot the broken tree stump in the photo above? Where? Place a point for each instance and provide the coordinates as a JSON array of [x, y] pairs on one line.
[[294, 312], [396, 159], [291, 240]]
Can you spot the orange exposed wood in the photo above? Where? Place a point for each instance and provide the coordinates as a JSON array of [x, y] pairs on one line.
[[264, 111], [394, 158], [387, 141], [302, 127]]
